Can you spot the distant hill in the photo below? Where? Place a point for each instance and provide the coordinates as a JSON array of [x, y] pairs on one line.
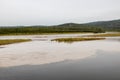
[[95, 27], [107, 25], [63, 28], [113, 25], [69, 24]]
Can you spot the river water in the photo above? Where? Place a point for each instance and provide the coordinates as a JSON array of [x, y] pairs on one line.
[[42, 59]]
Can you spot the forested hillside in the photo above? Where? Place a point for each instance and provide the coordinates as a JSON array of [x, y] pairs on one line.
[[113, 25]]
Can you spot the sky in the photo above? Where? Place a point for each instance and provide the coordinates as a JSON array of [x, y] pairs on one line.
[[53, 12]]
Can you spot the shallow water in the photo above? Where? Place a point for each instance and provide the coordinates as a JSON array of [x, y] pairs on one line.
[[46, 60]]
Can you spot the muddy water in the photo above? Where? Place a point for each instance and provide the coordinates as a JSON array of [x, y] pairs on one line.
[[42, 59]]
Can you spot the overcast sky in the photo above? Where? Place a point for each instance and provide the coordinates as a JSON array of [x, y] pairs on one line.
[[52, 12]]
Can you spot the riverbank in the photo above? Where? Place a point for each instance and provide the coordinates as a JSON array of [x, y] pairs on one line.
[[22, 34], [105, 35], [11, 41]]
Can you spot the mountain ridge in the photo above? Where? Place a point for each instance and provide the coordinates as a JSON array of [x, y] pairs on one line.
[[108, 25]]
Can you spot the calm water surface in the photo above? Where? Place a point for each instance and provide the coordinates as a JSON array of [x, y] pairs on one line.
[[42, 59]]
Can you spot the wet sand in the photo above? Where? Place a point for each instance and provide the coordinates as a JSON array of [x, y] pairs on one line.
[[44, 52]]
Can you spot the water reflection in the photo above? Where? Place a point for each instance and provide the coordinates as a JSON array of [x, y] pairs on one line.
[[114, 39], [103, 66], [1, 47]]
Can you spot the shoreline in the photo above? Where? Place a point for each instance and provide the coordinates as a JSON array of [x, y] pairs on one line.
[[12, 41]]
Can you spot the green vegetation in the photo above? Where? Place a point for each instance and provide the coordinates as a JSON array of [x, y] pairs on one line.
[[94, 27], [76, 39], [65, 28], [10, 41], [113, 25], [105, 35]]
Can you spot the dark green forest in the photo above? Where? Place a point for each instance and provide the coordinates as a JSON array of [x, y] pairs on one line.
[[65, 28]]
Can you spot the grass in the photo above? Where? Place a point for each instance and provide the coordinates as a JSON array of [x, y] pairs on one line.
[[76, 39], [42, 33], [11, 41], [105, 35]]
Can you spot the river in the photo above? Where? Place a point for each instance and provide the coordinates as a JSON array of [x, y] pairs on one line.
[[43, 59]]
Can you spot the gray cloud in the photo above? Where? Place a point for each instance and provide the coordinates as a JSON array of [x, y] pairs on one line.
[[48, 12]]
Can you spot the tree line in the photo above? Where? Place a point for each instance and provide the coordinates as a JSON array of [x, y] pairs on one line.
[[50, 29]]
